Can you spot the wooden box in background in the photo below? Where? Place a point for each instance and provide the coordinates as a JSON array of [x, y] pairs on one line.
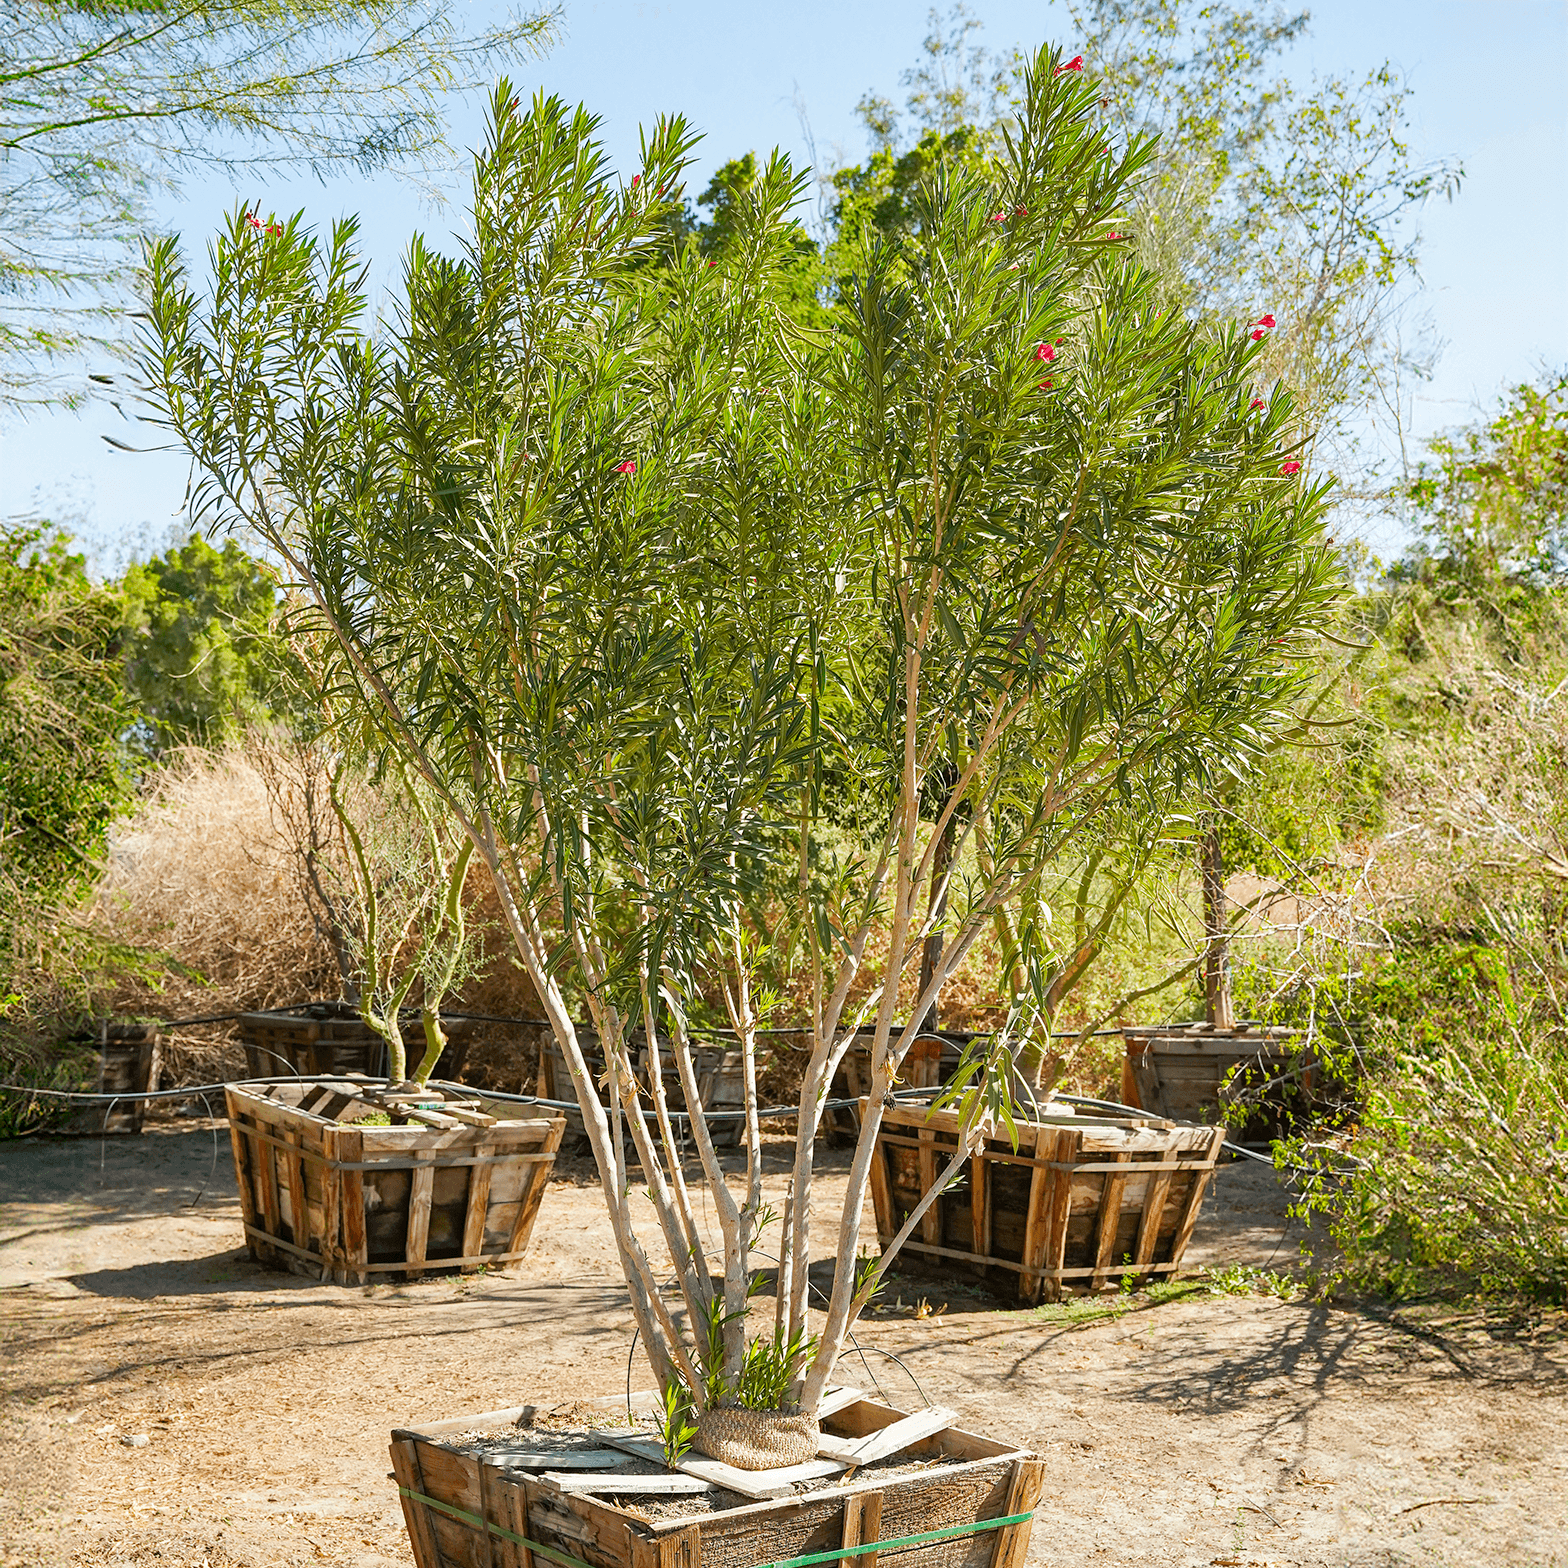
[[458, 1186], [1083, 1202]]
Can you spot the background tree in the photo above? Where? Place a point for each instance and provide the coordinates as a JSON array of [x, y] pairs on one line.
[[102, 104], [203, 655], [63, 709]]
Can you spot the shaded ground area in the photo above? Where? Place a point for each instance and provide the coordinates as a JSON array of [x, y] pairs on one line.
[[1208, 1430]]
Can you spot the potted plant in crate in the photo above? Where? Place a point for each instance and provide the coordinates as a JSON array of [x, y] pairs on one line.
[[348, 1176], [649, 581]]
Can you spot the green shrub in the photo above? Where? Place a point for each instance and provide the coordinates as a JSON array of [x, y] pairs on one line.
[[1456, 1173]]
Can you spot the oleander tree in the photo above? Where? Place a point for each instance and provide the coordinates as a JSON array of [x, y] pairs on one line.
[[707, 625]]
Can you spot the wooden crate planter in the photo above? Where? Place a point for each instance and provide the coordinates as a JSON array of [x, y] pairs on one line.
[[458, 1186], [325, 1038], [465, 1511], [129, 1061], [1082, 1203], [1180, 1071], [929, 1064], [720, 1072], [721, 1086]]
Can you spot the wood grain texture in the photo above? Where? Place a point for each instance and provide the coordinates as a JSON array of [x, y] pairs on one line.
[[405, 1466], [1012, 1541], [1111, 1191], [862, 1523]]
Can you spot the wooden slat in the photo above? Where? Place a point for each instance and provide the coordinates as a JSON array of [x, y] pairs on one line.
[[1110, 1218], [333, 1261], [1200, 1182], [1037, 1217], [544, 1459], [836, 1399], [243, 1166], [862, 1523], [405, 1465], [1153, 1212], [887, 1440], [478, 1204], [1061, 1212], [293, 1171], [271, 1217], [486, 1540], [1023, 1493], [881, 1190], [539, 1177], [980, 1204], [680, 1548], [512, 1501], [355, 1248], [931, 1220], [417, 1237], [749, 1483], [629, 1485]]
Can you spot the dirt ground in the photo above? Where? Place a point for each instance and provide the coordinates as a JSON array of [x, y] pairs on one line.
[[1212, 1430]]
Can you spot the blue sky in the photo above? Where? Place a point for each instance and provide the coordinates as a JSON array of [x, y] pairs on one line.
[[1489, 81]]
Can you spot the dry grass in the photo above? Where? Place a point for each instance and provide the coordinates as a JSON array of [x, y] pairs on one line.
[[207, 873]]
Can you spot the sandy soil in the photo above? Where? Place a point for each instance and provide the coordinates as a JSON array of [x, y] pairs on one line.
[[1212, 1430]]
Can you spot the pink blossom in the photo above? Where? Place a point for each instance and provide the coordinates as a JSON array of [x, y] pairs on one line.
[[1257, 334], [1264, 321], [1257, 402], [628, 467], [1290, 468], [636, 181], [1044, 351], [1075, 64], [253, 220], [1045, 386]]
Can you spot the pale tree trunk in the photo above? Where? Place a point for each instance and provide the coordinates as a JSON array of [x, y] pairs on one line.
[[1216, 952]]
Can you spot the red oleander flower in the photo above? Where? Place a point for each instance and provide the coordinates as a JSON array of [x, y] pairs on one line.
[[253, 220], [998, 217], [1075, 64], [713, 263], [1058, 342], [1113, 235], [1020, 212], [628, 467], [1045, 386], [1257, 334], [1290, 468], [1257, 402], [636, 181], [1044, 351], [1264, 321]]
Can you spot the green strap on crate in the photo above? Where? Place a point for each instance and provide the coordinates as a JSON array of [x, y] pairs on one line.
[[898, 1543], [553, 1553]]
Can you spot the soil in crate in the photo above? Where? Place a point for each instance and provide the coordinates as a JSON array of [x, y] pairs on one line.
[[569, 1437]]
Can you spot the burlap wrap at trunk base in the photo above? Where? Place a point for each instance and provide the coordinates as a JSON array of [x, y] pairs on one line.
[[757, 1439]]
